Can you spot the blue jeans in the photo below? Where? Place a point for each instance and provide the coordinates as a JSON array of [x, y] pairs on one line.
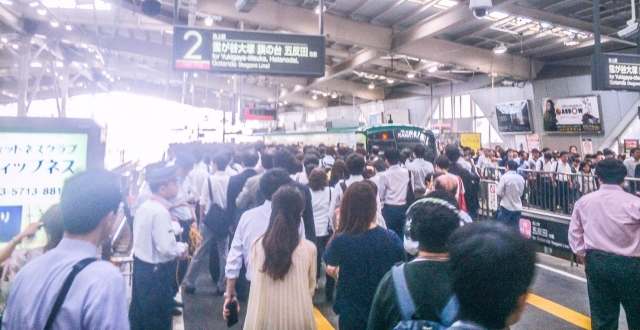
[[509, 218]]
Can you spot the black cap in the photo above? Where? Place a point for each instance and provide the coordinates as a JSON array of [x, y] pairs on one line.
[[162, 174]]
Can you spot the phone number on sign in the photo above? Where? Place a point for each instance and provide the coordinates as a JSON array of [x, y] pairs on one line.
[[29, 191]]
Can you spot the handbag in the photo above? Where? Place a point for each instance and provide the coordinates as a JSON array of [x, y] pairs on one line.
[[216, 218]]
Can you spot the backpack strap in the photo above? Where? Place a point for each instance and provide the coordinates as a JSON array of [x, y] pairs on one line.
[[343, 185], [450, 311], [405, 303], [79, 266]]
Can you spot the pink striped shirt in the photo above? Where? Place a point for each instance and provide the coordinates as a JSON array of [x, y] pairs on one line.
[[606, 220]]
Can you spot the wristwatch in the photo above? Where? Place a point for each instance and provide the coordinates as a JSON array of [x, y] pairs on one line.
[[229, 295]]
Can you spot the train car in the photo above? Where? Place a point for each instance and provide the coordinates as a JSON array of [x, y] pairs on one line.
[[384, 136]]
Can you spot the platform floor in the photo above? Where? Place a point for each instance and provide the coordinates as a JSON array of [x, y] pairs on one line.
[[558, 301]]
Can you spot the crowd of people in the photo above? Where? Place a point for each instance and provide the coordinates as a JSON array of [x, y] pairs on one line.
[[273, 220]]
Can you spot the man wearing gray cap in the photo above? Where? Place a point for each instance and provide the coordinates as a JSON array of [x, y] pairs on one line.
[[155, 251]]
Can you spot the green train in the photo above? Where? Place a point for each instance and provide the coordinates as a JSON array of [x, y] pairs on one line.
[[399, 136]]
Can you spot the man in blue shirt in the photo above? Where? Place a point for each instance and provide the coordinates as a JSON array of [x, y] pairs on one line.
[[96, 299]]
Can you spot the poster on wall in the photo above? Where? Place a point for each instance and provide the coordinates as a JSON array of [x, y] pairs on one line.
[[446, 138], [578, 114], [630, 144], [513, 117], [471, 140], [521, 143], [587, 146], [533, 142]]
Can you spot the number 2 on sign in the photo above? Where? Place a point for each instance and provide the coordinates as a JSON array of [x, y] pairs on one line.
[[190, 54]]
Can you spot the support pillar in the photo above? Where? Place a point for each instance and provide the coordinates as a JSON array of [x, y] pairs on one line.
[[23, 74]]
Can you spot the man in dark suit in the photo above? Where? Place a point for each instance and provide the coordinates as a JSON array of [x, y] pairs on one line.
[[471, 181], [249, 162]]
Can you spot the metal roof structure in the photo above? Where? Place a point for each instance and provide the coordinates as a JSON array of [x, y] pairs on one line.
[[375, 49]]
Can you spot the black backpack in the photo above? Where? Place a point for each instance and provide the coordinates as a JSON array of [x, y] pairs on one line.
[[216, 218]]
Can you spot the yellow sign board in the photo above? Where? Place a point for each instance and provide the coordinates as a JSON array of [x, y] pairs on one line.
[[471, 140]]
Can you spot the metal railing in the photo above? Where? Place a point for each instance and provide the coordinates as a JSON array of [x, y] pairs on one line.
[[544, 191]]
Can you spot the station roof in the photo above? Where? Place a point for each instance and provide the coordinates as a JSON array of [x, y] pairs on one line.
[[397, 47]]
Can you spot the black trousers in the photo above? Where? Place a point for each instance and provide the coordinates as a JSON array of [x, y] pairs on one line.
[[394, 217], [563, 195], [152, 298], [321, 245], [613, 280]]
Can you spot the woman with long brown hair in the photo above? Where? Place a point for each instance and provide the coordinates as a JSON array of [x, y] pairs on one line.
[[360, 253], [338, 172], [283, 269]]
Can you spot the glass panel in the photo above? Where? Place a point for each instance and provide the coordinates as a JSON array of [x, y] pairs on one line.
[[456, 107], [482, 127], [479, 112], [495, 137], [436, 112], [447, 110], [465, 110]]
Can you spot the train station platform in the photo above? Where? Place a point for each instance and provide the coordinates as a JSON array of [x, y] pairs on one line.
[[558, 301]]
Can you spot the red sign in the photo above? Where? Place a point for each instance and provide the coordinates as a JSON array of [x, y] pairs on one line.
[[192, 65], [525, 228]]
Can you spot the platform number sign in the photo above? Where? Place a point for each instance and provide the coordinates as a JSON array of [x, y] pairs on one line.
[[244, 52], [493, 197]]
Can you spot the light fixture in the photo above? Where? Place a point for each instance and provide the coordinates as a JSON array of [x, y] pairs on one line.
[[315, 97], [390, 81], [34, 4], [68, 27], [228, 81], [500, 49], [371, 86], [36, 64], [285, 102], [433, 69], [571, 41], [325, 94], [42, 11], [4, 40], [54, 24], [221, 91], [6, 2], [15, 46], [317, 10], [195, 75], [128, 88], [334, 95], [208, 21], [410, 75], [280, 104], [59, 65]]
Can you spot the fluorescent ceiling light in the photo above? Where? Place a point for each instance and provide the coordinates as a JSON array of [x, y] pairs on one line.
[[4, 40], [195, 75], [54, 24], [390, 81], [569, 41], [433, 68], [371, 86], [500, 49], [410, 75], [59, 64], [36, 64], [285, 102], [68, 27], [15, 46], [6, 2], [208, 21], [42, 11], [498, 15], [447, 3], [522, 21], [317, 10], [34, 4], [315, 97], [546, 25], [334, 95]]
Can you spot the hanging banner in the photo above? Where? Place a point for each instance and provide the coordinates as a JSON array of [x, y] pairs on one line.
[[244, 52], [587, 146], [533, 142], [513, 117], [471, 140], [579, 114]]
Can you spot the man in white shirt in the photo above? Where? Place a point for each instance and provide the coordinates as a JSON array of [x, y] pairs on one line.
[[155, 251], [483, 160], [355, 166], [419, 169], [97, 299], [510, 189], [393, 192], [631, 163], [328, 160], [214, 191], [253, 224], [564, 182], [198, 176]]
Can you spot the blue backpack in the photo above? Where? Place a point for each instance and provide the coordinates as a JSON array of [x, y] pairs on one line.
[[407, 307]]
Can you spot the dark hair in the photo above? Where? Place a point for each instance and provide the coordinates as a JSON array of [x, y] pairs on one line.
[[329, 151], [564, 153], [608, 152], [375, 150], [221, 161], [522, 152], [452, 152], [52, 223], [250, 158], [285, 160], [357, 208], [583, 164], [405, 154], [282, 237], [633, 150], [492, 266], [572, 146], [430, 157], [338, 172], [442, 162], [271, 180], [318, 179], [611, 171], [392, 155], [355, 164], [310, 158], [432, 224], [548, 156], [379, 165], [309, 167], [87, 198], [420, 150], [267, 159], [512, 165]]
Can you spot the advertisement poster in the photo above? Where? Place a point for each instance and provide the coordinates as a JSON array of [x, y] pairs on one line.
[[630, 144], [533, 142], [579, 114], [33, 168], [471, 140], [513, 117], [445, 139]]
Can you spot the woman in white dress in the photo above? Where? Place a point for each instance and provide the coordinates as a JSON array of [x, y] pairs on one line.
[[283, 269]]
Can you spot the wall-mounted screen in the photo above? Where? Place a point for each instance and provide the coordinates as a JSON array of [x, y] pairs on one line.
[[260, 111], [513, 117], [578, 114]]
